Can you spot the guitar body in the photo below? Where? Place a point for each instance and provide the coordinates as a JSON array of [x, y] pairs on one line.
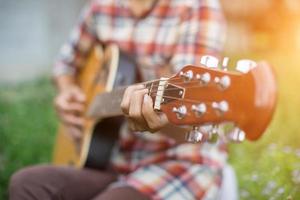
[[105, 69]]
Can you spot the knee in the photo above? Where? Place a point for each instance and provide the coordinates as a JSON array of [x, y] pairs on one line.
[[24, 178], [18, 179]]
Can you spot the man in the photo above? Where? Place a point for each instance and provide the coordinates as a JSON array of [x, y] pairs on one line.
[[164, 35]]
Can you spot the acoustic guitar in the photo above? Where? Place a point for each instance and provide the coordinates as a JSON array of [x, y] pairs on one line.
[[204, 96]]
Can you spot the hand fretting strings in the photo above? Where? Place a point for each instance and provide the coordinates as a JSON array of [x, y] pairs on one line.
[[154, 84]]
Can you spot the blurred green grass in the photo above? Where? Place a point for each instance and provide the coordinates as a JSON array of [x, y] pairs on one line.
[[268, 169], [27, 127]]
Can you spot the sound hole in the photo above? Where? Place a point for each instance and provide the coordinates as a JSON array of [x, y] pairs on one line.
[[103, 140]]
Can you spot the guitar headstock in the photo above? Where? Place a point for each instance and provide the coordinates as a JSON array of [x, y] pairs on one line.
[[208, 95]]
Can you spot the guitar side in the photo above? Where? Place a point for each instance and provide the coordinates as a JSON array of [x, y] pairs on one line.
[[102, 73], [66, 151]]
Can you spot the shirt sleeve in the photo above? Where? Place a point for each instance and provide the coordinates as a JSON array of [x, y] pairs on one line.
[[201, 32], [74, 52]]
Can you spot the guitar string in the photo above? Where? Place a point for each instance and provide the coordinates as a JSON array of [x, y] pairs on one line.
[[176, 98], [184, 100], [158, 80], [182, 82], [195, 86], [171, 89], [170, 81], [159, 84]]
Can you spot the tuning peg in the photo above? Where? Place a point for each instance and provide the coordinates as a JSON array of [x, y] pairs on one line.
[[213, 138], [209, 61], [213, 134], [225, 63], [245, 65], [224, 81], [199, 109], [187, 75], [221, 106], [195, 135], [211, 131], [204, 78], [236, 135], [180, 112]]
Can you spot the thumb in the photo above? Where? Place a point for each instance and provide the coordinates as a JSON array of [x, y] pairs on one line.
[[163, 119]]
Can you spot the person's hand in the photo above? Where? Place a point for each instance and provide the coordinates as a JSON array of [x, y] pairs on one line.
[[69, 104], [137, 106]]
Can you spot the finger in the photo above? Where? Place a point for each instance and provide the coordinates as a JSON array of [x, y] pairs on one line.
[[135, 107], [70, 107], [78, 95], [134, 126], [154, 120], [73, 120], [131, 124], [74, 132], [63, 104], [127, 96]]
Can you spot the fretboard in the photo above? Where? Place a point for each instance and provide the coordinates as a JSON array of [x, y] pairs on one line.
[[107, 104]]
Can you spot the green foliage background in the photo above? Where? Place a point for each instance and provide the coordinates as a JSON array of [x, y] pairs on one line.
[[27, 127]]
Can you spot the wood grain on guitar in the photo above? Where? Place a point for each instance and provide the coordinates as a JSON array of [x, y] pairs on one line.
[[204, 96]]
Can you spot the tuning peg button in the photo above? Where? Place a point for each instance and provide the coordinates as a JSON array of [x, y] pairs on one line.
[[213, 137], [206, 128], [211, 131], [213, 134], [221, 106], [180, 112], [203, 78], [199, 109], [209, 61], [224, 81], [225, 63], [195, 136], [237, 135], [187, 75], [245, 65]]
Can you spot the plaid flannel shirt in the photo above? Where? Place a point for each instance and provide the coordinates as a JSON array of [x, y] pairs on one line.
[[171, 34]]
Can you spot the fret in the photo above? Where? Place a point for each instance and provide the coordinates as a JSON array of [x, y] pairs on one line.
[[107, 104], [149, 86]]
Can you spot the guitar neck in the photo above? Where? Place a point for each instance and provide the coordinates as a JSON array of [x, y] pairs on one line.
[[107, 104]]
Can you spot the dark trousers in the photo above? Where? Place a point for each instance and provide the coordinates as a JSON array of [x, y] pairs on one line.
[[57, 183]]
